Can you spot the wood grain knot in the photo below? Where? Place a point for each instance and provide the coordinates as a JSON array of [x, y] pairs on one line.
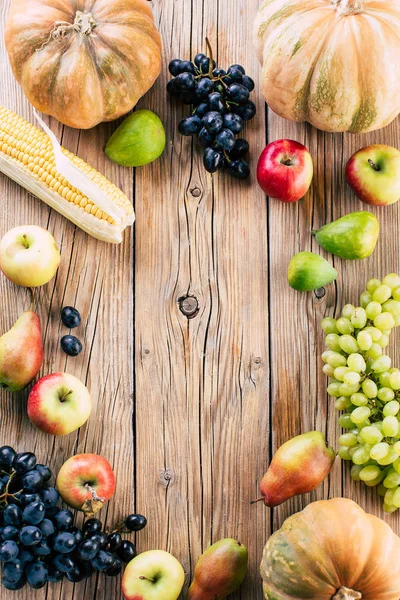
[[320, 293], [189, 306], [196, 192], [166, 477]]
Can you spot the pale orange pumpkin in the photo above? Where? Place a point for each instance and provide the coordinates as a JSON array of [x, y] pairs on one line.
[[334, 63], [332, 550], [83, 61]]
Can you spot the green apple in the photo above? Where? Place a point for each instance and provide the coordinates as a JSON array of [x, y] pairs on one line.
[[374, 174], [29, 256], [59, 404], [153, 575]]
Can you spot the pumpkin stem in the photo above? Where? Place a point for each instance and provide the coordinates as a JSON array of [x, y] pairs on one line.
[[349, 7], [345, 593], [84, 24]]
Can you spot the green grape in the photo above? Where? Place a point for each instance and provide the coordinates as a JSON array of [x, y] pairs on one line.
[[375, 351], [370, 473], [392, 280], [353, 449], [329, 325], [381, 364], [348, 344], [374, 482], [342, 403], [389, 496], [348, 390], [393, 307], [347, 311], [375, 333], [384, 379], [391, 408], [359, 318], [328, 370], [340, 372], [373, 310], [385, 394], [351, 377], [345, 421], [344, 325], [372, 284], [364, 340], [369, 388], [343, 452], [359, 414], [356, 362], [390, 426], [384, 321], [397, 321], [333, 389], [389, 508], [384, 341], [365, 299], [355, 472], [336, 360], [382, 293], [359, 399], [380, 451], [377, 425], [348, 439], [370, 435], [326, 354], [395, 380], [396, 294], [381, 490], [386, 332], [360, 456], [332, 341], [396, 448], [396, 498], [389, 458], [392, 480], [396, 464]]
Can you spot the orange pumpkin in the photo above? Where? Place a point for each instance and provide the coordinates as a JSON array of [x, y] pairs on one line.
[[332, 550], [334, 63], [83, 61]]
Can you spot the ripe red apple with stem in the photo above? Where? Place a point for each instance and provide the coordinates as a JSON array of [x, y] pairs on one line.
[[285, 170]]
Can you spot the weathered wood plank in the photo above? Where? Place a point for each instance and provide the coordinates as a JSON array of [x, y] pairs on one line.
[[96, 278]]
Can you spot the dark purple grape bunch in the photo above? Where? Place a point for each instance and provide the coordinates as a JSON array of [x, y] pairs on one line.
[[39, 543], [221, 106]]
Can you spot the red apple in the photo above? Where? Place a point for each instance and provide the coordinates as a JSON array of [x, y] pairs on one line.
[[86, 482], [285, 170], [59, 403], [374, 174]]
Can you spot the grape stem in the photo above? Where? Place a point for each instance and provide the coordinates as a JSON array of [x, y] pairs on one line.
[[209, 47]]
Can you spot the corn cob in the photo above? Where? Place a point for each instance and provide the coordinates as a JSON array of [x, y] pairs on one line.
[[27, 156]]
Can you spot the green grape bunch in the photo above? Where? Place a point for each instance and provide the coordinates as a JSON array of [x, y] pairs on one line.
[[367, 388]]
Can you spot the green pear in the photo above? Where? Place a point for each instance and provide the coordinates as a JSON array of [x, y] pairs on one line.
[[308, 271], [352, 237], [21, 352], [219, 571]]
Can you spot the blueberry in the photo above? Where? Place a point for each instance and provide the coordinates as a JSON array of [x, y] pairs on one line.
[[238, 93], [63, 520], [30, 535], [49, 497], [14, 586], [33, 513], [7, 455], [213, 122], [64, 542], [10, 533], [239, 169], [29, 498], [115, 569], [32, 481], [206, 139], [199, 58], [202, 109], [185, 82], [70, 317], [102, 561], [77, 533], [114, 541], [36, 574], [71, 345], [13, 571], [235, 74], [172, 89], [92, 526], [88, 549], [135, 522], [204, 87], [63, 563], [225, 139], [247, 111], [42, 548], [175, 67], [46, 527], [54, 575], [190, 126], [216, 102], [24, 462], [248, 83], [126, 551], [212, 160], [233, 122], [12, 515], [8, 551]]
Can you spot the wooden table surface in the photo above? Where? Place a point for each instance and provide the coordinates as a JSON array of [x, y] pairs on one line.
[[188, 411]]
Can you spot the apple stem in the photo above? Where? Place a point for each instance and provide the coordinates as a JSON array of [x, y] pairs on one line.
[[147, 578], [93, 491], [25, 241], [373, 165], [64, 396], [255, 501]]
